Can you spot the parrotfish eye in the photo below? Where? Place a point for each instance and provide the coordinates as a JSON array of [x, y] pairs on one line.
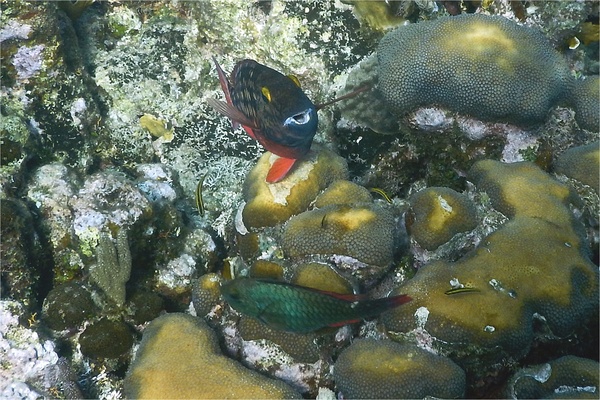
[[267, 93], [301, 118]]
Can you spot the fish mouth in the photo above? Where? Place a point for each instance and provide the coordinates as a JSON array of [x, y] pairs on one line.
[[301, 118]]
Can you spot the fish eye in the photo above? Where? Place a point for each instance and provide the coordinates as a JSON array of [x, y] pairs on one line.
[[301, 118]]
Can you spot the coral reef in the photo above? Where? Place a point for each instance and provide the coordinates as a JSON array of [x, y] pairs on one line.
[[179, 357], [535, 267], [105, 135], [272, 204], [479, 74], [568, 377], [437, 214], [581, 163], [382, 369]]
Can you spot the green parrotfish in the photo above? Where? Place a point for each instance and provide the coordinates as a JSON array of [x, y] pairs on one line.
[[300, 309]]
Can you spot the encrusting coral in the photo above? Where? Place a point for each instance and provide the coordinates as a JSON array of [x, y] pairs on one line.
[[382, 369], [534, 266], [179, 357], [485, 66], [437, 214]]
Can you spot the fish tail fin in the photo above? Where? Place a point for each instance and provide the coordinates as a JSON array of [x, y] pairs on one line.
[[279, 169], [371, 308]]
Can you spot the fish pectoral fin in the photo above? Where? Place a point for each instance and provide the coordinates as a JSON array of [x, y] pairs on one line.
[[228, 110], [280, 169], [225, 85]]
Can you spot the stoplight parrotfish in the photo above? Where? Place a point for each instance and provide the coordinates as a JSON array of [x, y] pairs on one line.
[[300, 309], [272, 109]]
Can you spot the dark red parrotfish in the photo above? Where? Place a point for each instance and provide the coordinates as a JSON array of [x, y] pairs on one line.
[[272, 109], [301, 309]]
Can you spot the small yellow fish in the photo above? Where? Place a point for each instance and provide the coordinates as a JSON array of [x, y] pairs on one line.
[[458, 290], [199, 201], [382, 194]]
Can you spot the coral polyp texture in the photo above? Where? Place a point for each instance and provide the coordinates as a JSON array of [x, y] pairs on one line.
[[581, 163], [485, 66], [365, 232], [568, 377], [438, 213], [271, 204], [535, 266], [382, 369], [179, 357], [586, 102]]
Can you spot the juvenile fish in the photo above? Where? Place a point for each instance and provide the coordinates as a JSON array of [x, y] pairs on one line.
[[301, 309]]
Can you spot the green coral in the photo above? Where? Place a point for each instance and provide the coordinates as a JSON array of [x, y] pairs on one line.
[[365, 232], [113, 268], [485, 66], [67, 306], [581, 163], [437, 214], [382, 369], [535, 266], [568, 377], [586, 102], [179, 357]]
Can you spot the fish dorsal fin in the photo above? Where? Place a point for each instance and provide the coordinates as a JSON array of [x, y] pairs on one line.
[[295, 80], [279, 169], [225, 85], [233, 113], [361, 89]]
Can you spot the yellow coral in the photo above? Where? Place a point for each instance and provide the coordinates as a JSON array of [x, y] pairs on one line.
[[535, 263], [269, 204], [179, 358], [437, 214], [343, 192]]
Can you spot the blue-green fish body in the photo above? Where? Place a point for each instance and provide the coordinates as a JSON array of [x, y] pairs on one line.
[[301, 309]]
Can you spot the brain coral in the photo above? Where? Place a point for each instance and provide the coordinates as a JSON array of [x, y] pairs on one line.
[[365, 232], [268, 204], [180, 358], [485, 66], [535, 266], [382, 369], [438, 213]]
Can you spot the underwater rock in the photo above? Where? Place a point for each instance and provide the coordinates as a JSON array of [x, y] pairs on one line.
[[568, 377], [581, 163], [382, 369], [145, 306], [271, 204], [475, 62], [179, 357], [20, 249], [27, 359], [106, 339], [437, 214], [365, 232], [535, 267], [67, 306]]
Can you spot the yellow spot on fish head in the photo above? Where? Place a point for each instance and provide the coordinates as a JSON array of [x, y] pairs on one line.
[[350, 219], [295, 80], [266, 92]]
